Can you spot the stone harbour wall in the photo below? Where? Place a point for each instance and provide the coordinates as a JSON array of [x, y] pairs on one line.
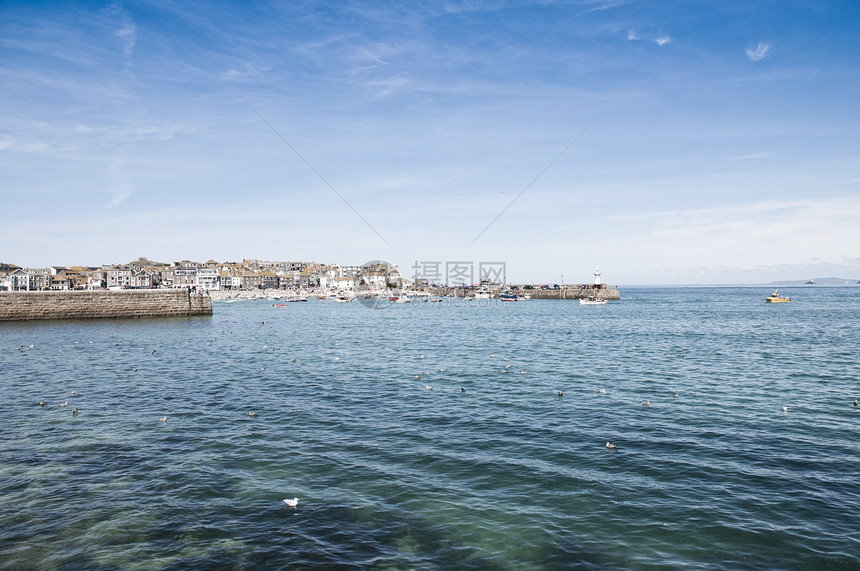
[[27, 305], [574, 293]]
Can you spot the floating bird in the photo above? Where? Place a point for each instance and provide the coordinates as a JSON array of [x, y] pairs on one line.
[[492, 356], [42, 403], [522, 372], [560, 393], [153, 351], [292, 360], [601, 391], [646, 403], [262, 368], [855, 402], [291, 502], [442, 370], [337, 358], [611, 446], [785, 409], [252, 414], [426, 372], [417, 377], [505, 371], [74, 412], [134, 369], [64, 404], [507, 366], [162, 418], [73, 393], [422, 356], [428, 387], [462, 389], [675, 395]]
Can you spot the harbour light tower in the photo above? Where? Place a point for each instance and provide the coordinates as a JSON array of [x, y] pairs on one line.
[[597, 276]]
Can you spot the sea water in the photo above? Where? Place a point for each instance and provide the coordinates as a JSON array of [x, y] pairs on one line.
[[745, 458]]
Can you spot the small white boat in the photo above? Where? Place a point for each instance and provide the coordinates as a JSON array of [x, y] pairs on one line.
[[592, 301], [483, 294]]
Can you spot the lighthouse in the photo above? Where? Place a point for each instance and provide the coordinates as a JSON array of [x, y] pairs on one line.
[[597, 276]]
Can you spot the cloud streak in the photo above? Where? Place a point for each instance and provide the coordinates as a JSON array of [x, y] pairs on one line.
[[759, 52], [662, 39]]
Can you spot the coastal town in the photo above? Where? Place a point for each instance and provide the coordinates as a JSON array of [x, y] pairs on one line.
[[254, 276]]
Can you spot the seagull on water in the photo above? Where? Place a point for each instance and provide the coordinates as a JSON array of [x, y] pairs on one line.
[[601, 391], [611, 446], [462, 389], [855, 402], [64, 404], [73, 393], [74, 412], [252, 414], [291, 502], [785, 409], [428, 387], [646, 403], [675, 395], [42, 403], [162, 418], [561, 393]]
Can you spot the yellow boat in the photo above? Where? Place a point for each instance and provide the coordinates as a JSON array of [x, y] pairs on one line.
[[776, 298]]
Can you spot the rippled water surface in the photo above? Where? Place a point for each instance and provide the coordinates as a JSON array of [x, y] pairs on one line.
[[391, 473]]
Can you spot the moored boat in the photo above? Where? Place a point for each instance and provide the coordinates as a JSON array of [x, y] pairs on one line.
[[592, 301], [776, 298]]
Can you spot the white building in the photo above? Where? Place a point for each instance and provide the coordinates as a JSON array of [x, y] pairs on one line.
[[208, 279]]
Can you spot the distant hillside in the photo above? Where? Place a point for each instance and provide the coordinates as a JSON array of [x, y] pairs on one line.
[[817, 281]]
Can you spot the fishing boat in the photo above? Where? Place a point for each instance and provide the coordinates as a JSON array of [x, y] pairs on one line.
[[509, 297], [483, 294], [592, 301], [776, 298]]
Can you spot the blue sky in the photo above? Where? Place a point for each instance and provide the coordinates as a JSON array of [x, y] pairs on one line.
[[714, 142]]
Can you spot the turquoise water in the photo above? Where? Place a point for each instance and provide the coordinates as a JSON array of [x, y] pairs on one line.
[[391, 474]]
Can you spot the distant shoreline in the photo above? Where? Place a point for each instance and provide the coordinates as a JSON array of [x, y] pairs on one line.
[[767, 285]]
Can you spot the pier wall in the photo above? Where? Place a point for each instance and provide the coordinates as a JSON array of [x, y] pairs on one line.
[[603, 292], [573, 293], [28, 305]]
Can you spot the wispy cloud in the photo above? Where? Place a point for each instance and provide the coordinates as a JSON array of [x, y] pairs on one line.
[[759, 52], [122, 186], [600, 6], [662, 39], [631, 35]]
